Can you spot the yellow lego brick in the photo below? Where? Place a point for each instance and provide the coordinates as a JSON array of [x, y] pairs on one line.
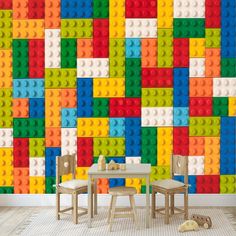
[[93, 127], [6, 166], [165, 14], [232, 106], [111, 87], [134, 182], [117, 18], [28, 29], [37, 184], [197, 47], [82, 173], [66, 177], [164, 145], [6, 68]]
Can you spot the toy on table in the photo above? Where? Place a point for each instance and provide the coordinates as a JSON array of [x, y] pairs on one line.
[[101, 162], [113, 166], [189, 225], [204, 221]]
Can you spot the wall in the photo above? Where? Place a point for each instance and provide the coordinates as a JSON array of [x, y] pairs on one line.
[[133, 80]]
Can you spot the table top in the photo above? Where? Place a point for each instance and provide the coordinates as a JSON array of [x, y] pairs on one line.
[[135, 169]]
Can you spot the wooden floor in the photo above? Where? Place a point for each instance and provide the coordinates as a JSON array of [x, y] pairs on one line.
[[12, 218]]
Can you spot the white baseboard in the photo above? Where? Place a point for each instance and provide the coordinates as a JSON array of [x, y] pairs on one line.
[[104, 200]]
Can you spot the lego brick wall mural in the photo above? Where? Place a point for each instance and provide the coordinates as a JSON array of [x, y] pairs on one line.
[[134, 80]]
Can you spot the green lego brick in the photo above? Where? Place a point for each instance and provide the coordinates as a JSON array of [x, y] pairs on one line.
[[68, 53], [157, 97], [149, 145], [213, 38], [6, 29], [143, 189], [220, 106], [50, 181], [227, 184], [228, 67], [159, 172], [60, 78], [165, 48], [100, 8], [76, 28], [20, 59], [37, 147], [204, 126], [109, 147], [6, 190], [100, 107], [6, 112], [189, 28], [28, 127], [133, 77]]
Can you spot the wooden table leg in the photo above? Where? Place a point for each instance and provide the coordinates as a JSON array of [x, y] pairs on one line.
[[147, 202], [95, 198], [89, 202]]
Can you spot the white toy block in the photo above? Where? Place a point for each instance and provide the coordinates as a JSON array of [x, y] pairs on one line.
[[37, 166], [157, 116], [141, 28], [197, 67], [196, 165], [132, 160], [68, 141], [93, 67], [52, 48], [224, 87], [189, 8], [6, 137]]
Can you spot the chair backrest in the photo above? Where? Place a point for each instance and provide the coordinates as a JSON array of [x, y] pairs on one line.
[[179, 165], [65, 165]]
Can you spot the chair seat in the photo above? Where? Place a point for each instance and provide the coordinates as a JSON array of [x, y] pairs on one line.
[[122, 191], [74, 184], [168, 184]]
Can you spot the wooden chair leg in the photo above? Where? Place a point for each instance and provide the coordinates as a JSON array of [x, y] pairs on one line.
[[58, 205], [153, 204], [113, 208], [132, 203], [109, 212], [166, 208], [92, 204], [186, 205], [172, 203], [75, 208]]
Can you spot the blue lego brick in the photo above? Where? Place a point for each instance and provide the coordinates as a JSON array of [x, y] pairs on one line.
[[85, 97], [116, 159], [69, 117], [228, 29], [76, 9], [181, 116], [132, 48], [133, 137], [50, 160], [181, 87], [28, 88], [116, 182], [36, 107], [191, 181], [117, 127]]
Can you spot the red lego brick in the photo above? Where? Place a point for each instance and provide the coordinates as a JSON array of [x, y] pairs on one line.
[[208, 184], [21, 152], [181, 141], [36, 58], [100, 38], [5, 4], [181, 52], [84, 152], [200, 106], [141, 9], [36, 9], [157, 77], [212, 13], [125, 107]]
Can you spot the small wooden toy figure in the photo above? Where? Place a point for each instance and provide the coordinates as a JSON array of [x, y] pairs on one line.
[[113, 166], [203, 221], [101, 162]]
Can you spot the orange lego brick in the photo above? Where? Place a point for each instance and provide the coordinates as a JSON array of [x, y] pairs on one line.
[[102, 185], [21, 180], [6, 68], [196, 146], [84, 48], [20, 9], [20, 107], [201, 87], [212, 62], [68, 98], [149, 52], [53, 137], [52, 14]]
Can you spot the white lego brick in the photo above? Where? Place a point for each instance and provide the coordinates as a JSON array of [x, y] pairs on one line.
[[6, 137], [196, 165], [157, 116], [37, 166], [52, 48], [141, 28], [224, 87], [68, 141], [93, 67], [132, 160], [189, 8], [197, 67]]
